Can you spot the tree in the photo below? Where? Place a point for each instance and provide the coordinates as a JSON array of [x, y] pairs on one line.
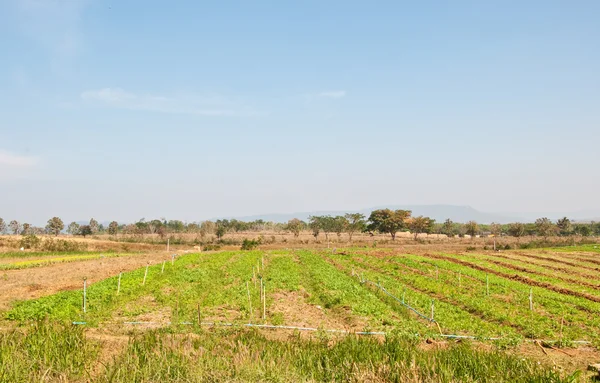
[[295, 226], [448, 228], [2, 226], [582, 229], [315, 225], [94, 227], [388, 221], [516, 229], [564, 226], [206, 227], [113, 228], [14, 226], [73, 228], [339, 224], [55, 226], [420, 224], [85, 230], [356, 223], [220, 231], [26, 229], [472, 228], [496, 229], [544, 227]]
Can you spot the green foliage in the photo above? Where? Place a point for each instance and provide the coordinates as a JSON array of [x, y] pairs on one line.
[[420, 224], [250, 244], [544, 227], [55, 225], [295, 226], [472, 228], [113, 228], [73, 228], [388, 221], [85, 230], [355, 223]]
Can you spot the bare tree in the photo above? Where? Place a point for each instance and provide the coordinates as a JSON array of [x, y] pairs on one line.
[[14, 226]]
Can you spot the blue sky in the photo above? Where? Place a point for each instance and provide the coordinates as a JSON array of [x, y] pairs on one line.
[[123, 110]]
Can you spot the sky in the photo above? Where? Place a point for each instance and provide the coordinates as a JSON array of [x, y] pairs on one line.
[[121, 110]]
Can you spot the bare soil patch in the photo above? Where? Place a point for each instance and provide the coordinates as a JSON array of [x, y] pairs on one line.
[[40, 281]]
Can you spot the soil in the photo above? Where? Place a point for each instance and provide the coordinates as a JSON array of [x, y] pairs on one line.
[[40, 281]]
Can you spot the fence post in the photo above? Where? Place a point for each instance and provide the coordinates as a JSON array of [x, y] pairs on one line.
[[249, 301], [432, 309], [119, 283], [459, 280], [264, 301], [163, 267], [168, 242], [146, 274], [84, 293], [172, 259], [531, 298]]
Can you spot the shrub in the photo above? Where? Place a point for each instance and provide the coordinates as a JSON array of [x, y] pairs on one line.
[[250, 244], [211, 247], [30, 241]]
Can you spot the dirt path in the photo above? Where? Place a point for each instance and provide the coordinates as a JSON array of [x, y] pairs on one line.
[[46, 280]]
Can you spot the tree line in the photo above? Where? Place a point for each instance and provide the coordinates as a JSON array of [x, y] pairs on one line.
[[381, 221]]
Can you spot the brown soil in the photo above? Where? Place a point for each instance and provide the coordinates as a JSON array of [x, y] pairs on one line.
[[297, 312], [46, 280]]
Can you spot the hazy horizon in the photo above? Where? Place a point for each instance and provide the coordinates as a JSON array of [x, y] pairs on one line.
[[118, 112]]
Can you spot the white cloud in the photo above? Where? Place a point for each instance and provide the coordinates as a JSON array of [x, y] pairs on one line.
[[180, 104], [9, 160], [332, 94]]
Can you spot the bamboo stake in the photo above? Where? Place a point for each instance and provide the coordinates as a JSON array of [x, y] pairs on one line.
[[264, 303], [163, 267], [146, 274], [84, 293], [249, 301], [119, 283], [531, 299], [199, 321]]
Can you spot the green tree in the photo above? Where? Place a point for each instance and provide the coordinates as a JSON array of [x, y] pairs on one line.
[[94, 227], [85, 230], [113, 228], [220, 231], [448, 228], [295, 226], [564, 226], [516, 230], [14, 226], [420, 224], [583, 229], [472, 228], [315, 226], [356, 224], [2, 226], [544, 227], [55, 225], [73, 228], [339, 224], [388, 221]]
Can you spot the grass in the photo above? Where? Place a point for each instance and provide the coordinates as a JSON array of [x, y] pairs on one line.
[[217, 285], [63, 259], [52, 352]]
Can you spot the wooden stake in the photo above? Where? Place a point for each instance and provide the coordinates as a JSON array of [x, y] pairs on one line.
[[199, 321], [163, 267], [168, 243], [172, 259], [146, 274], [487, 285], [264, 303], [119, 283], [432, 309], [459, 281], [531, 299], [84, 293], [249, 301]]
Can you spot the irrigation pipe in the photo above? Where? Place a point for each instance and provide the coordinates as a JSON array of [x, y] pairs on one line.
[[313, 329]]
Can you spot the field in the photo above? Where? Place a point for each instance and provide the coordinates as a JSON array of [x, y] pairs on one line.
[[345, 314]]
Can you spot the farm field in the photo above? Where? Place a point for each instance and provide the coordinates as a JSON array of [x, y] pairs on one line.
[[351, 314]]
